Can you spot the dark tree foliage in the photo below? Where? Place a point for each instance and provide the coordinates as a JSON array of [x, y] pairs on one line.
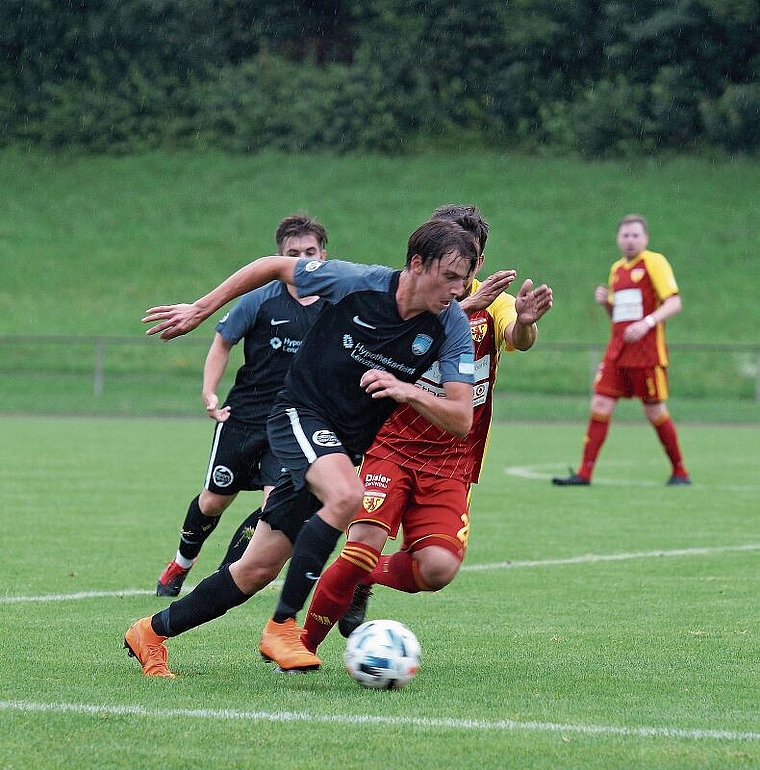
[[598, 77]]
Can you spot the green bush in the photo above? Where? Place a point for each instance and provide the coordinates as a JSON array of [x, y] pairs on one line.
[[733, 120]]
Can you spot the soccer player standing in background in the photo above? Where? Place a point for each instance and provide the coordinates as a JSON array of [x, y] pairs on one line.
[[641, 295]]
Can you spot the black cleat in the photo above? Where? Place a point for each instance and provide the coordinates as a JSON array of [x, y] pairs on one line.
[[678, 481], [356, 612], [573, 480], [171, 579]]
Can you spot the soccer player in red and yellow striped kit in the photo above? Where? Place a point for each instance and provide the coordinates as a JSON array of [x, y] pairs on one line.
[[641, 295], [417, 476]]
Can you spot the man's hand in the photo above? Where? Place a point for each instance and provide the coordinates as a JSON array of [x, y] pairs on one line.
[[531, 304], [173, 320], [211, 402], [380, 384], [601, 295], [488, 291]]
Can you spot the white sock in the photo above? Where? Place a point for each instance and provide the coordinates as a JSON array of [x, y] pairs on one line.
[[183, 562]]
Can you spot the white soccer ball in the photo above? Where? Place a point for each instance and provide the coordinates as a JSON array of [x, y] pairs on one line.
[[382, 654]]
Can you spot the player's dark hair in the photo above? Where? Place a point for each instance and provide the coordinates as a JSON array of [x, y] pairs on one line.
[[468, 217], [436, 238], [297, 225], [630, 218]]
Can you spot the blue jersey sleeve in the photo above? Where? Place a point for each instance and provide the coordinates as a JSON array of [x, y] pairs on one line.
[[457, 359], [333, 279]]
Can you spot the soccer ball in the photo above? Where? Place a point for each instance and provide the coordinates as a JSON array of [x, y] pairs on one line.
[[382, 654]]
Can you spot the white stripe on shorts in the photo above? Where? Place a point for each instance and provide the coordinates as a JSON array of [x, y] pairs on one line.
[[303, 442], [212, 456]]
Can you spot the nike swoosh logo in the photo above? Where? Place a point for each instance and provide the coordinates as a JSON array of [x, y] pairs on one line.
[[277, 322], [312, 576], [358, 321]]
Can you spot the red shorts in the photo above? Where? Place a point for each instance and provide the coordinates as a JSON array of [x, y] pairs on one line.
[[431, 510], [649, 383]]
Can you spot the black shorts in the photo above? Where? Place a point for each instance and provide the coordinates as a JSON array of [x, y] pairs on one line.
[[240, 460], [298, 438]]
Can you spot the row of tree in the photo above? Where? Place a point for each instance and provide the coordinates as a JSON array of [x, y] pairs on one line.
[[599, 77]]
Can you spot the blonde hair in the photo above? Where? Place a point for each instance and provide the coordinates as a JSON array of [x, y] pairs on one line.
[[630, 218]]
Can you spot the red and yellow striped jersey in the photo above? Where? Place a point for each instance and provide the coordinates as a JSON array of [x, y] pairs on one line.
[[637, 288], [410, 440]]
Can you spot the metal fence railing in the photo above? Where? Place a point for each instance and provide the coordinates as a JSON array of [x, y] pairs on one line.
[[46, 363]]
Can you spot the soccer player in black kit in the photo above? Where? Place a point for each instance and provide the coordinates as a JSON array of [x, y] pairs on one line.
[[378, 332], [271, 322]]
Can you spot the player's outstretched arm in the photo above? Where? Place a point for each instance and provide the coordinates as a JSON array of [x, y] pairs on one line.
[[172, 321], [531, 304]]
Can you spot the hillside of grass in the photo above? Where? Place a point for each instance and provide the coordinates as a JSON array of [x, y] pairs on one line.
[[89, 243]]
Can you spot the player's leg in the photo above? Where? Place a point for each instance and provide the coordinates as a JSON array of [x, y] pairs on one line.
[[436, 524], [212, 597], [333, 481], [226, 475], [335, 589], [201, 520], [268, 471], [608, 388], [656, 411]]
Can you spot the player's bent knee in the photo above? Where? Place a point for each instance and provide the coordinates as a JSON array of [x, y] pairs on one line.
[[438, 566], [251, 578]]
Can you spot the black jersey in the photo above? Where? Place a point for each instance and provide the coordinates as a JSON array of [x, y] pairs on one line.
[[272, 325], [359, 329]]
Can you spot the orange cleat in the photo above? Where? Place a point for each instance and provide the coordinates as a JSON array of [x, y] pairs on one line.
[[281, 643], [143, 643]]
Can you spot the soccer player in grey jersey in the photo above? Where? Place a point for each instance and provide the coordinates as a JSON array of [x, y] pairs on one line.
[[380, 330], [271, 322]]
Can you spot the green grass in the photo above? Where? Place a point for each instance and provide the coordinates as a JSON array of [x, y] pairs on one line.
[[539, 655], [93, 241]]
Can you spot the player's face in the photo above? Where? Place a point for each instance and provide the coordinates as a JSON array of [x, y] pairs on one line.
[[303, 246], [632, 239], [440, 283]]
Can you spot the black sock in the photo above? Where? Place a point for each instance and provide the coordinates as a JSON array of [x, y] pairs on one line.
[[241, 538], [312, 549], [210, 599], [195, 530]]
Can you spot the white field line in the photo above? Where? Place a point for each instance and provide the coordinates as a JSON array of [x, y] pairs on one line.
[[590, 558], [598, 558], [497, 725], [545, 471]]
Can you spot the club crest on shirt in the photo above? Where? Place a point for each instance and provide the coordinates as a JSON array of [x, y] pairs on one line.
[[637, 274], [421, 344], [315, 264], [371, 503], [478, 330]]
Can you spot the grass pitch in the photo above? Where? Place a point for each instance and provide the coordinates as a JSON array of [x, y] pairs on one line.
[[609, 626]]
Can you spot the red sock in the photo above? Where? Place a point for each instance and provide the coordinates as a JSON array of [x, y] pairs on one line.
[[596, 433], [399, 571], [666, 432], [335, 590]]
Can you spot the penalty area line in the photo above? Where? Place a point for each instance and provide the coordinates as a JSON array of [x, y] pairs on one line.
[[497, 725]]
